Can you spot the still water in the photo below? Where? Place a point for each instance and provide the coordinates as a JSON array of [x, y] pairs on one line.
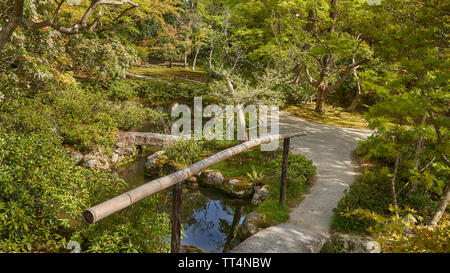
[[210, 218]]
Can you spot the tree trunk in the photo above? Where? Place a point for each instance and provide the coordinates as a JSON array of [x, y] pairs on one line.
[[442, 206], [419, 149], [13, 23], [210, 59], [240, 111], [298, 72], [194, 63], [394, 178], [333, 14], [8, 30], [357, 99], [320, 101]]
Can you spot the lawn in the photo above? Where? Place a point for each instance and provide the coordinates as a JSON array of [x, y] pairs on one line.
[[183, 73], [336, 116]]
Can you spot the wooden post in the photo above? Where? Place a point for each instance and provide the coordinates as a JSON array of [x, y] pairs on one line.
[[175, 242], [284, 171]]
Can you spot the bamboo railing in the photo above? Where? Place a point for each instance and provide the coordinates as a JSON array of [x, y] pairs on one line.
[[102, 210]]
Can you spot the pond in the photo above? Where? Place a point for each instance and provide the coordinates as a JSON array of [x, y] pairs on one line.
[[210, 217]]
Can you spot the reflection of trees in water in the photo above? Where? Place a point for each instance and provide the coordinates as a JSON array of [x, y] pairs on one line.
[[231, 238], [210, 213], [203, 209]]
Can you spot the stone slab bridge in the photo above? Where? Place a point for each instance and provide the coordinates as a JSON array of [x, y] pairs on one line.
[[130, 139]]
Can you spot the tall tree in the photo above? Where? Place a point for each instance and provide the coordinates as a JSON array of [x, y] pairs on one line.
[[91, 20]]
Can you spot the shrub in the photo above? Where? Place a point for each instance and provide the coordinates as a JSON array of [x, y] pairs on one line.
[[26, 116], [122, 90], [372, 192], [130, 116], [300, 172], [42, 195], [186, 151], [39, 185]]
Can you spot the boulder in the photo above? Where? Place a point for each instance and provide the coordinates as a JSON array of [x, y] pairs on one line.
[[153, 164], [192, 182], [114, 158], [250, 226], [212, 178], [191, 249], [346, 243], [90, 164], [153, 159], [76, 157], [260, 196], [238, 187], [96, 161]]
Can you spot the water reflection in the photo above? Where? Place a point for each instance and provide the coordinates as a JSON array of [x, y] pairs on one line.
[[210, 218]]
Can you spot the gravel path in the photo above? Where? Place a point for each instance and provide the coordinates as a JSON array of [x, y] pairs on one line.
[[331, 149]]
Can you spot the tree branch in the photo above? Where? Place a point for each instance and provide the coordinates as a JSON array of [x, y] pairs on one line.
[[347, 72], [17, 19], [309, 78]]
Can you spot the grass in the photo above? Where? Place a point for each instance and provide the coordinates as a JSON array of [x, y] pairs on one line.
[[336, 116], [178, 72], [241, 164], [269, 163]]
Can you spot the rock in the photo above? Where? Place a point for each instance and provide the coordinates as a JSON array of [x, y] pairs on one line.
[[124, 140], [153, 159], [102, 164], [345, 243], [260, 196], [238, 187], [129, 152], [192, 183], [153, 165], [76, 157], [114, 158], [192, 180], [96, 161], [212, 178], [90, 164], [250, 226], [191, 249]]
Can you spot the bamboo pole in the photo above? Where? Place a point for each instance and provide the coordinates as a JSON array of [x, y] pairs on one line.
[[100, 211]]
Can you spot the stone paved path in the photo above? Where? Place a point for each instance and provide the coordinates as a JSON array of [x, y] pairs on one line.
[[330, 148]]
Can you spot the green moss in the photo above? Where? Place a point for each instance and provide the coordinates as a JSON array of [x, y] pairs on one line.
[[336, 116], [243, 184], [167, 73]]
